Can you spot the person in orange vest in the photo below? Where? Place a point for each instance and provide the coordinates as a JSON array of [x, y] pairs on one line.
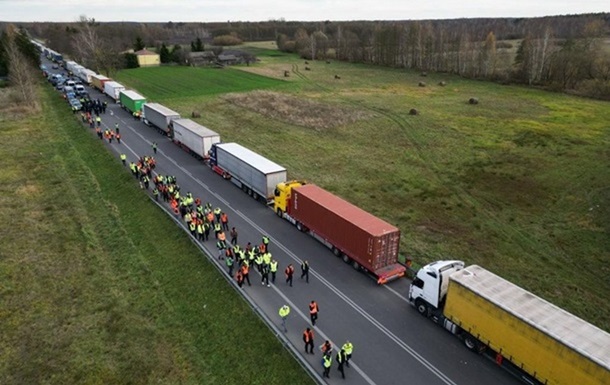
[[118, 138], [313, 312], [245, 271], [289, 272], [308, 339], [224, 219]]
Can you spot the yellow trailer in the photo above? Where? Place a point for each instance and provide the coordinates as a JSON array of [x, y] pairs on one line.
[[545, 341]]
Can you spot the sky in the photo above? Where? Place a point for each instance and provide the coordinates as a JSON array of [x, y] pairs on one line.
[[299, 10]]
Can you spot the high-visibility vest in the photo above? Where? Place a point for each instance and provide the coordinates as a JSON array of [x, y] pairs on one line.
[[348, 347], [284, 311], [327, 361], [200, 229], [273, 265], [267, 258], [259, 260], [308, 336], [217, 227], [245, 268]]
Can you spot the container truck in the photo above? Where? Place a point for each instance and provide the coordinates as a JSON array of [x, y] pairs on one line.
[[193, 137], [131, 100], [253, 173], [161, 117], [112, 90], [534, 339], [70, 65], [366, 242], [85, 75], [97, 81]]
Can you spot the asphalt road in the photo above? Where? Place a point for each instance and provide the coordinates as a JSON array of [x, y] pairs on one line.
[[393, 344]]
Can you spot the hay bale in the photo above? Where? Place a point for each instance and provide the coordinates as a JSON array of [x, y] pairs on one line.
[[286, 74], [195, 114], [424, 74], [422, 84], [413, 111], [337, 77], [307, 69], [473, 101], [442, 84]]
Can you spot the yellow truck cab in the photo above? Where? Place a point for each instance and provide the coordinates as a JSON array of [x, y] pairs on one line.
[[282, 195]]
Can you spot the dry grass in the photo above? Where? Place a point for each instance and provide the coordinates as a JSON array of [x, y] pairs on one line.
[[301, 112], [12, 107]]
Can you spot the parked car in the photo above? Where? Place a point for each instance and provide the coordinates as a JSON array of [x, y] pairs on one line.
[[75, 103]]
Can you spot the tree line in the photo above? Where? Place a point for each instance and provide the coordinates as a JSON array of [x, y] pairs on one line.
[[560, 52], [19, 60]]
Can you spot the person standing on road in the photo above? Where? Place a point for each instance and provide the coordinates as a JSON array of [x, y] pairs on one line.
[[233, 236], [341, 360], [224, 220], [348, 348], [124, 159], [229, 261], [266, 243], [313, 312], [245, 271], [308, 339], [289, 272], [273, 269], [284, 311], [327, 362], [305, 270], [116, 128], [154, 147], [239, 277], [265, 275]]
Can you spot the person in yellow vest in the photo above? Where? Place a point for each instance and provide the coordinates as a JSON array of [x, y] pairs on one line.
[[327, 362], [348, 347], [273, 269], [284, 311]]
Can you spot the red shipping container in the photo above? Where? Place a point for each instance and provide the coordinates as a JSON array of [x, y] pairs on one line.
[[363, 237]]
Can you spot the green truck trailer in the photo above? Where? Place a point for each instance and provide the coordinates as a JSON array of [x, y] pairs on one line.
[[132, 101]]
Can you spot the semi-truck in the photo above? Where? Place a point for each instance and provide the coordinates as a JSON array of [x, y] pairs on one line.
[[195, 138], [85, 75], [112, 90], [132, 101], [361, 239], [534, 339], [253, 173], [70, 66], [159, 116], [97, 81]]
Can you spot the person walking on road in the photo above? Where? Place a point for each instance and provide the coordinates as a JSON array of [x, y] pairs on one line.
[[224, 220], [265, 275], [229, 261], [233, 234], [266, 243], [245, 271], [124, 159], [284, 311], [341, 360], [308, 339], [327, 362], [289, 273], [305, 270], [273, 269], [313, 312], [240, 278], [348, 347], [154, 147]]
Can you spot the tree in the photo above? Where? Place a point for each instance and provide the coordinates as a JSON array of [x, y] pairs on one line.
[[139, 44], [199, 45], [488, 55], [177, 54], [164, 55], [131, 60], [20, 69]]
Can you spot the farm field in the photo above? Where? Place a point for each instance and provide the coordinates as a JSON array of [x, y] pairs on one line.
[[98, 285], [519, 183]]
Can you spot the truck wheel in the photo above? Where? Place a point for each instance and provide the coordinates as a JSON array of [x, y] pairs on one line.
[[356, 265], [250, 191], [279, 212], [244, 188], [299, 226], [471, 342], [422, 308], [346, 259], [337, 252], [255, 195]]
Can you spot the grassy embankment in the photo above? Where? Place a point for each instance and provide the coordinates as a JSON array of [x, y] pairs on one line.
[[98, 286], [518, 183]]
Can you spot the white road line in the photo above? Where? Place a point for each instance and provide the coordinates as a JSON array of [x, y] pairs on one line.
[[427, 364]]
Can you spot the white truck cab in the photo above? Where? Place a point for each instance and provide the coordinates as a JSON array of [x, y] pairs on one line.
[[429, 288]]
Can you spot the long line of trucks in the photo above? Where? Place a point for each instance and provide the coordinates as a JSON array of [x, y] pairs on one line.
[[536, 340]]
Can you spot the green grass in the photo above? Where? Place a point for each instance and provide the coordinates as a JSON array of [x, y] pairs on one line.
[[99, 286], [191, 81], [518, 183]]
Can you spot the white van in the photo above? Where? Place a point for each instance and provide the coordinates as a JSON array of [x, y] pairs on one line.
[[70, 83], [80, 89]]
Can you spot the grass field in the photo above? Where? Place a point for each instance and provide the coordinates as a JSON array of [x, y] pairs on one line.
[[519, 183], [98, 286]]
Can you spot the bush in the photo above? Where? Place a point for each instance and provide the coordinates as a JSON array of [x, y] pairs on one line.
[[225, 40], [422, 84], [442, 84], [473, 101], [504, 44], [413, 111]]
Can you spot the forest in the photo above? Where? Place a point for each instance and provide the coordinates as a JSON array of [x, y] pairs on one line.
[[569, 53]]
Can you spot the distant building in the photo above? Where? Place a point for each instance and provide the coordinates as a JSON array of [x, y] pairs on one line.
[[202, 58], [229, 59], [148, 58]]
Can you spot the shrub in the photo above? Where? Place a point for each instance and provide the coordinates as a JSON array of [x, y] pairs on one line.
[[225, 40]]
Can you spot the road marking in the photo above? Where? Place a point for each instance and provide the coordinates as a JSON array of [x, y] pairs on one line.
[[408, 349]]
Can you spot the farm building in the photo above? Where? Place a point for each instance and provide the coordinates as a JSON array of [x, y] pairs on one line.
[[202, 58], [228, 59], [148, 58]]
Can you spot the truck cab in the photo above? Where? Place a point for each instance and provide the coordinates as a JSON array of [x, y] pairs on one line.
[[282, 195], [428, 290]]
